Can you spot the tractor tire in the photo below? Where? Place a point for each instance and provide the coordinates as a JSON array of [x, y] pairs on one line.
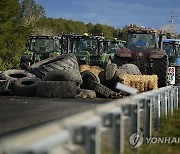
[[88, 76], [56, 89], [25, 87], [103, 90], [130, 69], [110, 71], [177, 71], [66, 63], [16, 74], [63, 57], [160, 68], [62, 75]]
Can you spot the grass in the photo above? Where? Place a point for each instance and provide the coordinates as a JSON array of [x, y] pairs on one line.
[[170, 127]]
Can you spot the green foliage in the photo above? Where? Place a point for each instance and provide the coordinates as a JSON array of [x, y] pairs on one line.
[[51, 26], [31, 12]]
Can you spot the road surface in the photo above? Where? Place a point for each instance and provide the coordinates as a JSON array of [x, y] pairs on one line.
[[21, 112]]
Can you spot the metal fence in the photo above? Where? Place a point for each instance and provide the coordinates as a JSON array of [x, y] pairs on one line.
[[84, 129]]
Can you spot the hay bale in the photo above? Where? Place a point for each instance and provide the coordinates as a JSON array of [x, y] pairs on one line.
[[141, 82], [95, 69]]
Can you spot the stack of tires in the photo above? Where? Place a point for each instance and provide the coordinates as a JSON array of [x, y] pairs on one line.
[[53, 77]]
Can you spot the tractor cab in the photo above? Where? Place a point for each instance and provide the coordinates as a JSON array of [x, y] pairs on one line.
[[88, 49], [110, 47], [172, 48], [40, 48]]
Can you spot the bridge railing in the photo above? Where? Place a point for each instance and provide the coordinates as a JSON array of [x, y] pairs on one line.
[[84, 129]]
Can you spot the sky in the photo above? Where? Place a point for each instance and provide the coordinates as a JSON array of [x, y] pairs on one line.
[[116, 13]]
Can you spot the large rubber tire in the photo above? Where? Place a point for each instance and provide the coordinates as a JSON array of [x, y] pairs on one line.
[[130, 69], [66, 63], [110, 71], [102, 90], [160, 68], [25, 86], [177, 77], [72, 60], [88, 76], [57, 89], [16, 74], [62, 75]]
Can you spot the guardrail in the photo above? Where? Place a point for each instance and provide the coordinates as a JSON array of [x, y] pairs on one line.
[[84, 129]]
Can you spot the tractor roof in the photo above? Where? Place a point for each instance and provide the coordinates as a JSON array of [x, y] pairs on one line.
[[171, 41], [141, 30], [86, 37], [44, 37]]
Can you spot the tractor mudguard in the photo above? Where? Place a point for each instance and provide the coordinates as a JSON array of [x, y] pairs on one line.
[[155, 54], [124, 52]]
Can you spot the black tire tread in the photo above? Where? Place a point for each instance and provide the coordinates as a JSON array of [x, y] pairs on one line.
[[56, 89], [160, 68]]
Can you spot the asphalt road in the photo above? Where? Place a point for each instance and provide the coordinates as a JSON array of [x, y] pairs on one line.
[[20, 112]]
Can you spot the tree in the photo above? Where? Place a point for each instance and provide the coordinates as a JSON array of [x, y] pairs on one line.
[[31, 12], [12, 34]]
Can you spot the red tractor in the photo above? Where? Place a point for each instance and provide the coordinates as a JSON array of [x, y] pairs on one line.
[[144, 49]]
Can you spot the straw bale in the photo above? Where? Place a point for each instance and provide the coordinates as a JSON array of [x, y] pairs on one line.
[[95, 69], [141, 82]]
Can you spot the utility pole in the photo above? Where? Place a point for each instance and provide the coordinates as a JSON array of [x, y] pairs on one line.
[[172, 22]]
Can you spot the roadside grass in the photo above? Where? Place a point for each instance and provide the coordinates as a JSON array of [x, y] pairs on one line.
[[169, 127]]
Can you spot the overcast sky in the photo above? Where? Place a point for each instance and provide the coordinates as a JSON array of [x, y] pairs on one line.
[[116, 13]]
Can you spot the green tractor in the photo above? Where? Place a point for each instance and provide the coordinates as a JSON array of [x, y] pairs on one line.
[[88, 49], [110, 47], [40, 48]]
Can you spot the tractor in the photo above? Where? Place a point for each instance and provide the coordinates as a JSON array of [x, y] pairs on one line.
[[144, 49], [87, 48], [172, 48], [40, 48], [110, 47]]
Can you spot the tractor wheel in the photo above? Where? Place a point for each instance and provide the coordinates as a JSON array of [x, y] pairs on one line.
[[67, 63], [160, 68], [120, 60], [88, 75], [110, 71], [177, 75], [25, 86], [16, 74], [56, 89], [130, 69], [69, 58], [62, 75]]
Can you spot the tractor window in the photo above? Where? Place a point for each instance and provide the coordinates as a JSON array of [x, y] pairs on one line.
[[112, 47], [140, 42], [90, 45], [45, 45], [169, 48]]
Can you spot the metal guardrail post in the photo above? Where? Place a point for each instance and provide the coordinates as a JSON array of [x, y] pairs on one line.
[[115, 120], [172, 100], [148, 118], [176, 95], [164, 101], [156, 102], [121, 133], [88, 135], [135, 118]]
